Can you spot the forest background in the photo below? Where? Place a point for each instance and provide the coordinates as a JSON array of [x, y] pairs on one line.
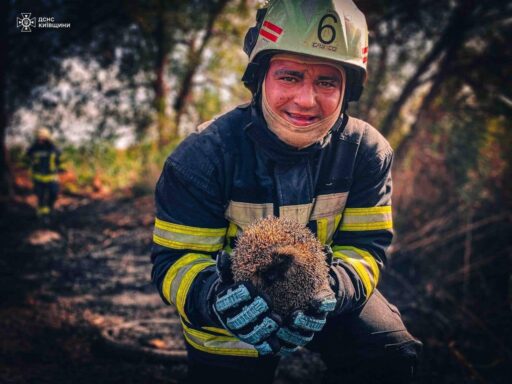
[[128, 80]]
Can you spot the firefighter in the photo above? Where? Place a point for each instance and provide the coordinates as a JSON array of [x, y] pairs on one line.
[[43, 158], [292, 152]]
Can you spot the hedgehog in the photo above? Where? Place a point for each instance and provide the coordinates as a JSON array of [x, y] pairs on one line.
[[283, 259]]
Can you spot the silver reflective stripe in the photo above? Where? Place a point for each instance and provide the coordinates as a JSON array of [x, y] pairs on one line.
[[188, 239], [324, 206], [329, 205], [367, 219], [332, 225], [244, 214], [299, 213], [174, 269], [178, 236], [175, 285]]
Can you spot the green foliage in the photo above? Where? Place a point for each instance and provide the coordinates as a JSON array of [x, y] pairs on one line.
[[101, 167], [208, 105], [463, 145], [223, 65]]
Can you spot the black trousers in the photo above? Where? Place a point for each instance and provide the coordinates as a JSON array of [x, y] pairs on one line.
[[371, 345], [46, 195]]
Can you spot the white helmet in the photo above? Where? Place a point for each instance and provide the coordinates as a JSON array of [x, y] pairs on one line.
[[44, 134], [334, 30]]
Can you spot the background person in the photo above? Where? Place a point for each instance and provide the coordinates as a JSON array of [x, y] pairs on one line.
[[43, 158]]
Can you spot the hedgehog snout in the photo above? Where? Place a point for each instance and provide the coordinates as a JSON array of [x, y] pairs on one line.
[[276, 271]]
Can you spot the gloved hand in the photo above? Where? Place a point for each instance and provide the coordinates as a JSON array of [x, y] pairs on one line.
[[242, 309], [302, 326]]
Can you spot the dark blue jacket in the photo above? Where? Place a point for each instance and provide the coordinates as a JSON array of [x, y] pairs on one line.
[[44, 161], [236, 171]]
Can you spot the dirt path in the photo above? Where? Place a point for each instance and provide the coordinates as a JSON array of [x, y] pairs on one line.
[[89, 271], [63, 284]]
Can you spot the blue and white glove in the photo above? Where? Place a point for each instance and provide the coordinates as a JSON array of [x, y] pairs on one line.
[[243, 310], [303, 325]]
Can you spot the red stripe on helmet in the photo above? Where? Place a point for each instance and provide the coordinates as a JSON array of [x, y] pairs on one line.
[[268, 35], [365, 50], [273, 27]]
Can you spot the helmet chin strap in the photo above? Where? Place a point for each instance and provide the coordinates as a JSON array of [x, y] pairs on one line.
[[299, 136]]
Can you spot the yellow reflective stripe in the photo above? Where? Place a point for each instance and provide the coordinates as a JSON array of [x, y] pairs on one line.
[[232, 230], [43, 210], [219, 345], [326, 226], [333, 226], [218, 330], [188, 239], [337, 220], [52, 162], [187, 230], [44, 178], [321, 230], [192, 246], [232, 233], [360, 270], [363, 263], [367, 219], [178, 279], [173, 271], [206, 336], [185, 284], [366, 257], [179, 236], [369, 210]]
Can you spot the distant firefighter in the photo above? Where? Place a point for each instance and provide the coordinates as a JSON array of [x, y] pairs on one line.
[[283, 259], [43, 158]]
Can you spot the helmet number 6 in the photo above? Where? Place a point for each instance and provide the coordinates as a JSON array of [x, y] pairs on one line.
[[322, 26]]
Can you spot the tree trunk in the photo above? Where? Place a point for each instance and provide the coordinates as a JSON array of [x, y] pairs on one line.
[[455, 28], [6, 189], [368, 110], [160, 87], [424, 116], [194, 61]]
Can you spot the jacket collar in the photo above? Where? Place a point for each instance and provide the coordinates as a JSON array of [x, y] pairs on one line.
[[276, 149]]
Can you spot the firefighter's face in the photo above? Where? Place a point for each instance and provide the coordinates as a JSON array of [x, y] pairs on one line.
[[302, 93]]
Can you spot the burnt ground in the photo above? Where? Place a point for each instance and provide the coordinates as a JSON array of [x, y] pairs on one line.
[[63, 284]]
